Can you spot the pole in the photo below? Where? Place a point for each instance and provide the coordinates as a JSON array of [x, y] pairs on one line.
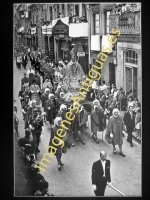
[[115, 189]]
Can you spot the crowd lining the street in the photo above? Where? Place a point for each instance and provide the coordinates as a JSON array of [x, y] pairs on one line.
[[103, 105]]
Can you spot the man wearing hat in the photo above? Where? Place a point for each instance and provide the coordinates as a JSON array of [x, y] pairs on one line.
[[129, 120], [37, 126]]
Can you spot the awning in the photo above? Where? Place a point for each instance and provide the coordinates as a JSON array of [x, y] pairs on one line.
[[106, 43], [78, 30], [65, 20], [95, 42]]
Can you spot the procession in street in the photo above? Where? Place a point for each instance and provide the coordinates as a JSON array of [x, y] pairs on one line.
[[56, 157]]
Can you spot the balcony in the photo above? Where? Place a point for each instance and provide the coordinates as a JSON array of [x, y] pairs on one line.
[[127, 23]]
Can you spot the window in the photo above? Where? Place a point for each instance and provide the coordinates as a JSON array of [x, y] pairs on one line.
[[96, 19], [131, 57], [107, 21], [50, 13], [131, 71], [58, 11], [77, 10], [63, 10]]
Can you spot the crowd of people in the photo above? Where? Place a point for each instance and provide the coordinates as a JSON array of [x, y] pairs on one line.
[[47, 101]]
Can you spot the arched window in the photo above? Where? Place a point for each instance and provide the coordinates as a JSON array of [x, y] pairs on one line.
[[131, 71], [131, 57]]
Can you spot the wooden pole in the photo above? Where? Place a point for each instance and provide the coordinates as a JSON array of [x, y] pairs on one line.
[[115, 189]]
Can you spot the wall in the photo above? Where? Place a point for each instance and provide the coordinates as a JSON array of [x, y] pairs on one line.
[[120, 69]]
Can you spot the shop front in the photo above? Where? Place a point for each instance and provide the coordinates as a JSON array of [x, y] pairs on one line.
[[62, 41], [79, 34]]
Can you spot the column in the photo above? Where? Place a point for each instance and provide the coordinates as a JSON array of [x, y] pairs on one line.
[[101, 21], [66, 11], [80, 9], [89, 32]]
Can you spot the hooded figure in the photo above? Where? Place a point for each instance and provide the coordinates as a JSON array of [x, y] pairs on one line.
[[114, 129], [58, 141], [51, 108], [97, 119]]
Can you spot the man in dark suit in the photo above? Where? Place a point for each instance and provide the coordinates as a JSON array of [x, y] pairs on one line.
[[24, 61], [32, 60], [129, 120], [101, 174]]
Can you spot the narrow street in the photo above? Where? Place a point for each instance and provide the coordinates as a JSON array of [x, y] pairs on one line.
[[75, 177]]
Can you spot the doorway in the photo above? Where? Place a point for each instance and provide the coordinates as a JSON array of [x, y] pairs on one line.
[[112, 79]]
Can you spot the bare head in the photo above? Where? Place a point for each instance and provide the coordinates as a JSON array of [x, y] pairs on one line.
[[103, 155]]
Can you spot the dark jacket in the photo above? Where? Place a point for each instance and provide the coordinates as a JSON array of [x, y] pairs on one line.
[[24, 60], [97, 172], [32, 60], [130, 123]]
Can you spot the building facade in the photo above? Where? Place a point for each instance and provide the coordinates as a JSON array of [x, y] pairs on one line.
[[84, 27]]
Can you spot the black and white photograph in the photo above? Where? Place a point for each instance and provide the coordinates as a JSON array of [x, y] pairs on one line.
[[77, 99]]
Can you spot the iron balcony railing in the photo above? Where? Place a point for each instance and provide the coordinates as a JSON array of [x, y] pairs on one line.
[[127, 23]]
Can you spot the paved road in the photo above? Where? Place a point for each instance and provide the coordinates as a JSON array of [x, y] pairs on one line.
[[75, 177]]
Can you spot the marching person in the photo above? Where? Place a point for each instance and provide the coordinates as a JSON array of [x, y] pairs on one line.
[[101, 174], [51, 109], [37, 79], [62, 113], [97, 119], [25, 105], [24, 60], [25, 80], [30, 73], [129, 120], [58, 153], [32, 105], [37, 126], [21, 95], [16, 122], [82, 119], [19, 61], [44, 98], [114, 129]]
